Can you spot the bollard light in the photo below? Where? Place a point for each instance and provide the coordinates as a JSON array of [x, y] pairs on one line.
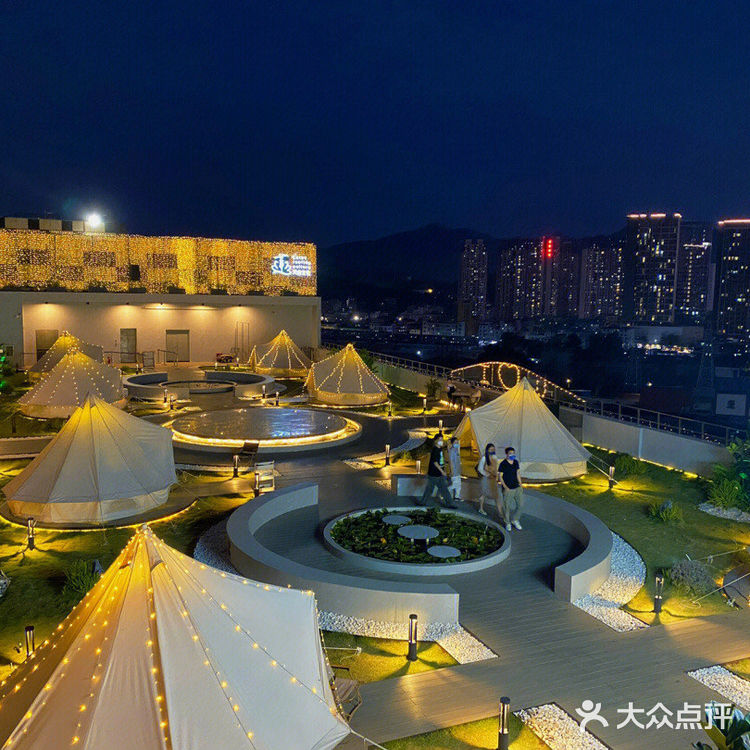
[[658, 591], [277, 398], [29, 634], [31, 533], [171, 401], [503, 724], [390, 409], [165, 396], [440, 425], [235, 465], [611, 478], [412, 655], [387, 454], [418, 466], [424, 405]]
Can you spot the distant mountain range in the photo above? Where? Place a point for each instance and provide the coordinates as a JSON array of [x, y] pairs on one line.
[[429, 255]]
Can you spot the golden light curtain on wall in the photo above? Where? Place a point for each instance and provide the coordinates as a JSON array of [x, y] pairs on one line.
[[120, 262]]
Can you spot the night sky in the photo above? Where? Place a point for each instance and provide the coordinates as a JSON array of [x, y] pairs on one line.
[[334, 121]]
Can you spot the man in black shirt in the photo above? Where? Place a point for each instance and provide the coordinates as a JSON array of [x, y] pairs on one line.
[[509, 476], [436, 476]]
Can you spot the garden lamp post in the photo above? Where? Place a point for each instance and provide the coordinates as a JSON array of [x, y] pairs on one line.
[[29, 636], [412, 654], [658, 591], [503, 728]]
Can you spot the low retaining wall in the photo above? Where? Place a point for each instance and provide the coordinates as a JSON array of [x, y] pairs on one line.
[[584, 573], [371, 599], [658, 446], [23, 447]]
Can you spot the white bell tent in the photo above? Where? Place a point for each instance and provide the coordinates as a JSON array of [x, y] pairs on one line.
[[280, 357], [343, 379], [166, 652], [546, 450], [68, 384], [63, 344], [103, 465]]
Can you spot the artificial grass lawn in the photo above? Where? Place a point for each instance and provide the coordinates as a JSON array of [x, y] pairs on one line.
[[625, 510], [475, 734], [741, 668], [25, 426], [36, 596], [382, 658]]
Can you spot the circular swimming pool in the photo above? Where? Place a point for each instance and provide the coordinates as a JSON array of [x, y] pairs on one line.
[[273, 428]]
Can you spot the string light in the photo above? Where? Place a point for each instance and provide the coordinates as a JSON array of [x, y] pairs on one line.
[[341, 368], [280, 357], [87, 633], [77, 261], [68, 383]]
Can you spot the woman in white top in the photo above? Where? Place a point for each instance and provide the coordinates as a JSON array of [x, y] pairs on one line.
[[487, 470]]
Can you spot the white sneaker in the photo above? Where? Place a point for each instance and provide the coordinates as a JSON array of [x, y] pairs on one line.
[[483, 511], [517, 524], [507, 527]]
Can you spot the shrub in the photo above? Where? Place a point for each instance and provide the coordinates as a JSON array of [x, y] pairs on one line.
[[626, 465], [726, 493], [691, 577], [80, 577], [6, 388], [433, 387], [667, 512]]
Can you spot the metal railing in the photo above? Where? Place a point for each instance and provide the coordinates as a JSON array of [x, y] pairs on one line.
[[659, 420], [694, 428]]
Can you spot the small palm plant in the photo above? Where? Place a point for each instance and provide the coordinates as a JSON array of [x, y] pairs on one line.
[[731, 735]]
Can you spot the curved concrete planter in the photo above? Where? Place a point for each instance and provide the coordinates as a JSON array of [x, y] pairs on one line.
[[150, 386], [416, 569]]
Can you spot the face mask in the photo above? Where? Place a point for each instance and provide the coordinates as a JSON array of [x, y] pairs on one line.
[[439, 443], [511, 457]]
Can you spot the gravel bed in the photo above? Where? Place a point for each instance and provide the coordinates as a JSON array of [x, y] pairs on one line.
[[733, 514], [213, 548], [357, 464], [558, 729], [459, 643], [726, 683], [625, 580]]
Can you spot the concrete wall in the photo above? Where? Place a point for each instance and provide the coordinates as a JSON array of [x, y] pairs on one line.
[[659, 446], [575, 578], [211, 319], [369, 598]]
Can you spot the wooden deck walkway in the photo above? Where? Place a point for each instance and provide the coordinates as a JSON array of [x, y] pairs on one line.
[[549, 651]]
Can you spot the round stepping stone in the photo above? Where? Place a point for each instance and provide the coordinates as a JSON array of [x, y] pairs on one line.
[[443, 551], [396, 519], [417, 531]]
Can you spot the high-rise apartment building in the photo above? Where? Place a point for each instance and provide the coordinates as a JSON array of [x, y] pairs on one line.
[[519, 280], [732, 300], [472, 290], [651, 249], [694, 272], [561, 277], [538, 278], [601, 277]]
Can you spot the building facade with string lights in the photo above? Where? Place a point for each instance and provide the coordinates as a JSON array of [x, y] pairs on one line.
[[180, 298]]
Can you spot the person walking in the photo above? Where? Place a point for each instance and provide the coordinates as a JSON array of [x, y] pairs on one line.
[[454, 459], [436, 476], [487, 470], [509, 476]]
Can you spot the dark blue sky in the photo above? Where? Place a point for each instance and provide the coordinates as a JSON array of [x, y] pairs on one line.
[[331, 121]]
